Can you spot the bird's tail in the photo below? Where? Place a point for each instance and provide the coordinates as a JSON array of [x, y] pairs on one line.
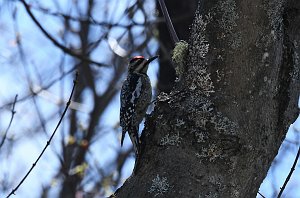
[[123, 136], [134, 137]]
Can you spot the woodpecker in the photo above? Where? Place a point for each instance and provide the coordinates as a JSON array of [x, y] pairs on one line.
[[136, 94]]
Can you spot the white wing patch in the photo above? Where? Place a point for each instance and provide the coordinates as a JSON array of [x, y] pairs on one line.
[[137, 92]]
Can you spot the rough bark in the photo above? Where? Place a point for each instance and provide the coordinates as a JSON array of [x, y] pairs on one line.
[[217, 133]]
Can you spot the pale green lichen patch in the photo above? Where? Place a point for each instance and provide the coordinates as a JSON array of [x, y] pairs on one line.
[[179, 122], [201, 136], [162, 97], [179, 57], [223, 124], [203, 113], [180, 51], [203, 45], [274, 10], [229, 15], [171, 140], [201, 121], [228, 22], [159, 186], [211, 153], [198, 76]]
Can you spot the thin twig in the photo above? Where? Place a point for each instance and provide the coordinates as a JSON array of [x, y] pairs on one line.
[[261, 195], [55, 42], [11, 119], [42, 88], [48, 142], [168, 21], [90, 20], [109, 25], [25, 65], [290, 174]]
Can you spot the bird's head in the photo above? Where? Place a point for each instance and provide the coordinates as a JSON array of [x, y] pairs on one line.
[[139, 64]]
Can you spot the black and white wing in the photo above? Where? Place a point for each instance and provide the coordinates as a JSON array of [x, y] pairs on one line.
[[130, 93]]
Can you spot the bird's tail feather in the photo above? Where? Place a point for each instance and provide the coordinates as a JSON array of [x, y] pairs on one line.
[[123, 136], [134, 137]]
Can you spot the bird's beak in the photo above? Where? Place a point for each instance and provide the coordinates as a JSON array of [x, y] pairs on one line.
[[151, 59]]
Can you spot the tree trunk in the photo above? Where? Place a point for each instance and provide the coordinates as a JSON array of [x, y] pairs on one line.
[[217, 133]]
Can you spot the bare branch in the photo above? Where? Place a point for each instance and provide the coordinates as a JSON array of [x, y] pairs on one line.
[[40, 89], [55, 42], [48, 142], [93, 21], [290, 174], [11, 119]]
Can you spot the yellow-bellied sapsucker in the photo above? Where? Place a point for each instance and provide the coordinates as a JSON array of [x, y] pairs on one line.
[[135, 97]]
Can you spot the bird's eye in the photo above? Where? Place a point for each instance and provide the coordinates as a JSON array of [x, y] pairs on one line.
[[132, 60]]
